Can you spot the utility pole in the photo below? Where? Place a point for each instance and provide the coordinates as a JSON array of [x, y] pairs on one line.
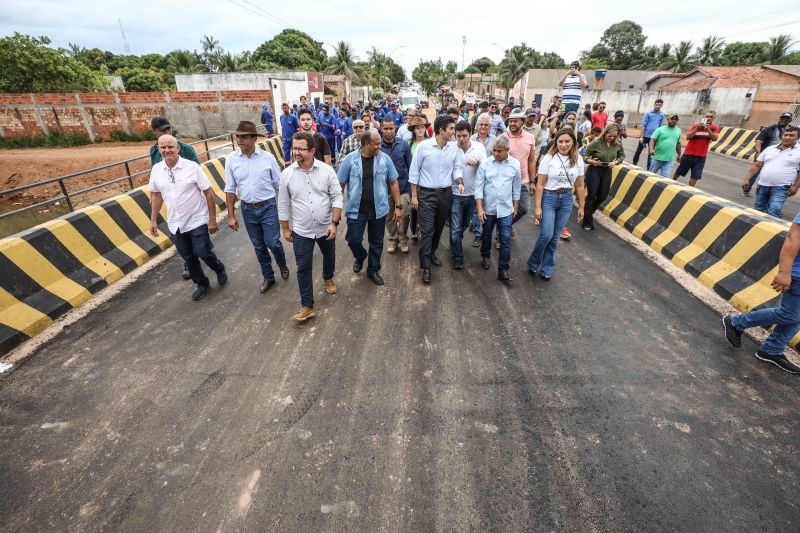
[[463, 50], [124, 39]]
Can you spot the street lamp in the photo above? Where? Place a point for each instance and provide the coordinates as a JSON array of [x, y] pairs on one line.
[[395, 50]]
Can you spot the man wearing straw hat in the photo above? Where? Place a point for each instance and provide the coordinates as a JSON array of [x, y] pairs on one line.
[[253, 174]]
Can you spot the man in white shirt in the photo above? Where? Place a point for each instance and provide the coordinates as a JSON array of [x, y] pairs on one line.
[[779, 176], [191, 212], [464, 201]]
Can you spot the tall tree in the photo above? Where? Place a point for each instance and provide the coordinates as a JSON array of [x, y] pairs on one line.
[[482, 64], [343, 61], [681, 59], [517, 61], [620, 45], [709, 51], [429, 74], [777, 48], [211, 50], [184, 62], [292, 50]]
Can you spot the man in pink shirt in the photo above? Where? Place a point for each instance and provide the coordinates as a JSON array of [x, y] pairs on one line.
[[522, 147], [600, 117]]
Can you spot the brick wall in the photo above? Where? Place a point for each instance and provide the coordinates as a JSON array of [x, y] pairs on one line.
[[196, 113], [776, 92]]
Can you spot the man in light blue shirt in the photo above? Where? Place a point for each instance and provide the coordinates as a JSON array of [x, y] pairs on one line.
[[395, 115], [497, 189], [464, 202], [651, 121], [497, 124], [254, 175], [369, 176], [435, 167]]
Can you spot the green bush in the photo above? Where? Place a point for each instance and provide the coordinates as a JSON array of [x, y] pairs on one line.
[[41, 141], [121, 136]]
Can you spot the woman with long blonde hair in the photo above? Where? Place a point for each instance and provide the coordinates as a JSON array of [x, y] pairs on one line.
[[559, 171]]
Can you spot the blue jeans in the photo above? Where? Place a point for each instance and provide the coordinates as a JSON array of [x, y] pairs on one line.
[[476, 224], [524, 201], [193, 246], [786, 318], [355, 235], [304, 255], [504, 229], [555, 213], [661, 167], [264, 230], [460, 214], [770, 200]]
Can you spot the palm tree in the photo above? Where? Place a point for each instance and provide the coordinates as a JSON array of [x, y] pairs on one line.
[[513, 66], [681, 59], [777, 48], [226, 62], [649, 58], [184, 62], [708, 53], [211, 51], [343, 61], [379, 63]]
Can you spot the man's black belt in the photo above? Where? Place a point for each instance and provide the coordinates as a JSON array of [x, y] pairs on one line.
[[256, 205], [440, 189], [563, 190]]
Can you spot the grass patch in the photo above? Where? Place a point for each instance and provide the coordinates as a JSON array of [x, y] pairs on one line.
[[121, 136], [41, 141]]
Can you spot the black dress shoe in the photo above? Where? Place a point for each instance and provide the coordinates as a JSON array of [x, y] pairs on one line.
[[486, 263], [436, 261], [358, 264], [186, 274], [503, 275], [376, 278], [200, 292], [285, 272], [458, 265], [426, 275], [222, 278], [267, 285]]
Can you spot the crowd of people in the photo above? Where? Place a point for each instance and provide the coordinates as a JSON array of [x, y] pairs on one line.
[[396, 177]]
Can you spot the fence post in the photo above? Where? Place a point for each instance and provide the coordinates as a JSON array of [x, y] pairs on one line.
[[208, 152], [128, 171], [66, 195]]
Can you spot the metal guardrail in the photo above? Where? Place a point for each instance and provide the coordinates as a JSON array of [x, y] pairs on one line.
[[129, 176]]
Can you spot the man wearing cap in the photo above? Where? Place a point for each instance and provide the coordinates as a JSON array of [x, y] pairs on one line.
[[161, 126], [522, 147], [531, 126], [769, 136], [326, 125], [665, 147], [779, 173], [253, 175], [395, 115], [573, 83], [289, 126], [184, 188], [322, 150], [497, 125]]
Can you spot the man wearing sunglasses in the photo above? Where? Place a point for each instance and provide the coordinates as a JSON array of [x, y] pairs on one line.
[[191, 213], [353, 142]]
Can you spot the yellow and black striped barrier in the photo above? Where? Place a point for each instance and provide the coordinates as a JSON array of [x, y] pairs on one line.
[[56, 266], [735, 142], [730, 249]]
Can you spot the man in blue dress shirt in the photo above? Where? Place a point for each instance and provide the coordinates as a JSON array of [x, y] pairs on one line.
[[289, 126], [497, 189], [254, 175], [651, 121], [435, 167]]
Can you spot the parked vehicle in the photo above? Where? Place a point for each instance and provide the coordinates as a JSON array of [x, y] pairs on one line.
[[409, 100]]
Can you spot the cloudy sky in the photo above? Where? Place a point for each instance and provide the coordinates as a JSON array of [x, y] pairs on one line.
[[409, 30]]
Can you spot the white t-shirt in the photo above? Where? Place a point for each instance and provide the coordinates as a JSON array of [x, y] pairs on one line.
[[780, 166], [586, 127], [561, 174], [186, 204]]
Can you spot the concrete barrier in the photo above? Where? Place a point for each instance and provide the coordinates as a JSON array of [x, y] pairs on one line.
[[730, 249], [735, 142], [56, 266]]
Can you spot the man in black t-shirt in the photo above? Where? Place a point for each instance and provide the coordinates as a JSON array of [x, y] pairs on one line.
[[323, 150], [769, 136]]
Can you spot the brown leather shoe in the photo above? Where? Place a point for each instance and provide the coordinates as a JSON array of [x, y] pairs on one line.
[[266, 285], [304, 314], [330, 286]]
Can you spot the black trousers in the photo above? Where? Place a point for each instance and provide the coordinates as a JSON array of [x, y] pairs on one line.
[[598, 183], [434, 211]]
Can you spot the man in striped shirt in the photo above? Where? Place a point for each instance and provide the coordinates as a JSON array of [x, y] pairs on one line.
[[573, 84]]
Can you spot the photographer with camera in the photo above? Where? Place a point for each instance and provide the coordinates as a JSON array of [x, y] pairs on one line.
[[602, 154], [694, 155], [573, 83]]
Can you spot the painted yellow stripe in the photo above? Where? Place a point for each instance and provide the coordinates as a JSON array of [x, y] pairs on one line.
[[141, 220], [720, 222], [163, 211], [658, 209], [219, 193], [115, 234], [636, 203], [83, 250], [689, 210], [715, 144], [40, 270], [756, 294], [20, 316], [627, 180], [733, 146], [756, 238]]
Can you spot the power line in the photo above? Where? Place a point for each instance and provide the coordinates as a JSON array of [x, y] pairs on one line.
[[249, 10], [276, 18]]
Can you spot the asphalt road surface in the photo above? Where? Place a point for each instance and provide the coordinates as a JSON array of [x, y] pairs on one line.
[[722, 176], [604, 400]]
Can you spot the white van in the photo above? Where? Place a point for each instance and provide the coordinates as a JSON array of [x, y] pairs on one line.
[[409, 100]]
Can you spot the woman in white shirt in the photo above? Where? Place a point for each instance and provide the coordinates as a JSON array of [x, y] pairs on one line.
[[559, 171]]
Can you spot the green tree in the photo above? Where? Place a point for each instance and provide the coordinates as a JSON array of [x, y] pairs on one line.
[[292, 50], [211, 52], [777, 48], [709, 52], [184, 62], [620, 45], [516, 62], [429, 74], [681, 59], [792, 59], [482, 65], [472, 69], [379, 64], [27, 64], [742, 53], [396, 72], [551, 60], [343, 61], [142, 80]]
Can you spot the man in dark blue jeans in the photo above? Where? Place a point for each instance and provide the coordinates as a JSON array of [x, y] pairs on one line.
[[464, 191], [785, 317], [254, 174], [778, 169], [368, 175]]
